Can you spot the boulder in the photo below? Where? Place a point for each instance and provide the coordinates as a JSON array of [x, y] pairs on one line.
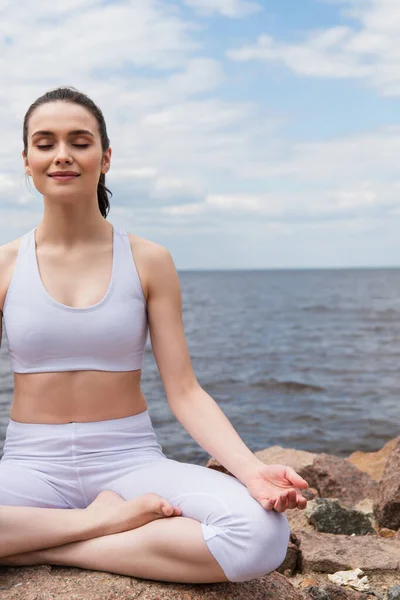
[[329, 516], [275, 455], [328, 476], [328, 553], [64, 583], [373, 463], [387, 502], [335, 477]]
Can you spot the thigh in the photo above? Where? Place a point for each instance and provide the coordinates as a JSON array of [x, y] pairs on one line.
[[202, 493], [22, 485]]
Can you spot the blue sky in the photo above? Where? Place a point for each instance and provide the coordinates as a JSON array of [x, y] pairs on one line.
[[245, 134]]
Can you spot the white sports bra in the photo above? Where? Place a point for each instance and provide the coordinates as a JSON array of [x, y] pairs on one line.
[[44, 335]]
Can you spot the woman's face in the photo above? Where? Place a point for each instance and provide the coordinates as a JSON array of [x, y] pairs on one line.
[[63, 149]]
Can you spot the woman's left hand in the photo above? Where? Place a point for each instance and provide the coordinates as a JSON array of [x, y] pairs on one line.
[[277, 487]]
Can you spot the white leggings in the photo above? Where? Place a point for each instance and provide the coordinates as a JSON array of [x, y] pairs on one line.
[[67, 465]]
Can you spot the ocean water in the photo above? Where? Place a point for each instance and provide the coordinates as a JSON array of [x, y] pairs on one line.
[[305, 359]]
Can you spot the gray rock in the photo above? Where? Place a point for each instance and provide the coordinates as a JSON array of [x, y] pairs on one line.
[[328, 516], [317, 593], [332, 592], [394, 593]]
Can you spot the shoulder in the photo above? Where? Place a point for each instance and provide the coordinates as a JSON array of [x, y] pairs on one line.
[[8, 256], [8, 252], [154, 262]]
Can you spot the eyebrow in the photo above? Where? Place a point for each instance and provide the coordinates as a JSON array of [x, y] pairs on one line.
[[74, 132]]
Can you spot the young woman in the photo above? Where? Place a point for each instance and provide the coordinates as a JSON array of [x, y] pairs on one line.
[[83, 479]]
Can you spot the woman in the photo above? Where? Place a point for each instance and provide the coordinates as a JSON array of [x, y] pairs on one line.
[[79, 437]]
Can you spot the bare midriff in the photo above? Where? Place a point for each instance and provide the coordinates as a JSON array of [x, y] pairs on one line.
[[76, 396]]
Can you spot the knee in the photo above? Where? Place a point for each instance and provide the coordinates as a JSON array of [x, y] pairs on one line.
[[267, 542]]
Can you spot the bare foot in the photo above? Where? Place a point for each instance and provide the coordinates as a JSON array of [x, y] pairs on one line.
[[117, 514]]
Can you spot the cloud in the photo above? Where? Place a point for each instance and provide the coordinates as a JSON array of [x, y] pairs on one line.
[[228, 8], [368, 50], [188, 156]]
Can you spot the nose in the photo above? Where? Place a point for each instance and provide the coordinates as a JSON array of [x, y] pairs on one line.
[[63, 156]]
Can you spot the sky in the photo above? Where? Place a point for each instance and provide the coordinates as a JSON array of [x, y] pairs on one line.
[[244, 134]]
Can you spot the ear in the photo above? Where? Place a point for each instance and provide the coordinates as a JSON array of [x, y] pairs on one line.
[[26, 164], [106, 162]]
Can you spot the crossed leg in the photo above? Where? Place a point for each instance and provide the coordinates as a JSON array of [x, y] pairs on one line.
[[223, 533]]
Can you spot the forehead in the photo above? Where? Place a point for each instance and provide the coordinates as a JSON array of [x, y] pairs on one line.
[[61, 117]]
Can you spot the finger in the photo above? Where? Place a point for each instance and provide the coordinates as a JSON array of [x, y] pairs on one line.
[[292, 499], [267, 503], [281, 503], [295, 478], [301, 502]]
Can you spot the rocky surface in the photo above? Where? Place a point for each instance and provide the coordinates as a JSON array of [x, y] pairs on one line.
[[373, 463], [329, 475], [387, 505], [337, 484], [61, 583], [334, 477], [328, 553], [332, 592]]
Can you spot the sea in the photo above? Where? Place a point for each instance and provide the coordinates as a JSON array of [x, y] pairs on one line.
[[305, 359]]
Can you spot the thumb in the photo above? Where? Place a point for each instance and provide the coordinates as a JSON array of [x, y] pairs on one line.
[[295, 478]]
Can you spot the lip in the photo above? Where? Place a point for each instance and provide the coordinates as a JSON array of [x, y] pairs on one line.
[[63, 173]]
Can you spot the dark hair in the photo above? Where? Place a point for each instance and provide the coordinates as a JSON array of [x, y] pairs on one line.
[[71, 94]]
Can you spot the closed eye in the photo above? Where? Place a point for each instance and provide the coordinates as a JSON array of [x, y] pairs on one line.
[[43, 147]]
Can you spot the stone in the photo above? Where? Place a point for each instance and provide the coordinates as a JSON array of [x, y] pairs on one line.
[[373, 463], [317, 593], [64, 583], [335, 477], [328, 553], [275, 455], [387, 502], [393, 593], [354, 578], [308, 582], [387, 533], [329, 516], [331, 592], [289, 565], [366, 505]]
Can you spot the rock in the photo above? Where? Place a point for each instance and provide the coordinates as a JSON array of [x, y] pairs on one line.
[[373, 463], [329, 516], [393, 593], [317, 593], [387, 503], [289, 565], [275, 455], [298, 520], [308, 582], [366, 505], [331, 592], [310, 493], [64, 583], [328, 553], [335, 477], [354, 578], [386, 533]]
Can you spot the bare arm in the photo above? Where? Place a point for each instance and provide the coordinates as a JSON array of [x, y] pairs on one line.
[[197, 412]]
